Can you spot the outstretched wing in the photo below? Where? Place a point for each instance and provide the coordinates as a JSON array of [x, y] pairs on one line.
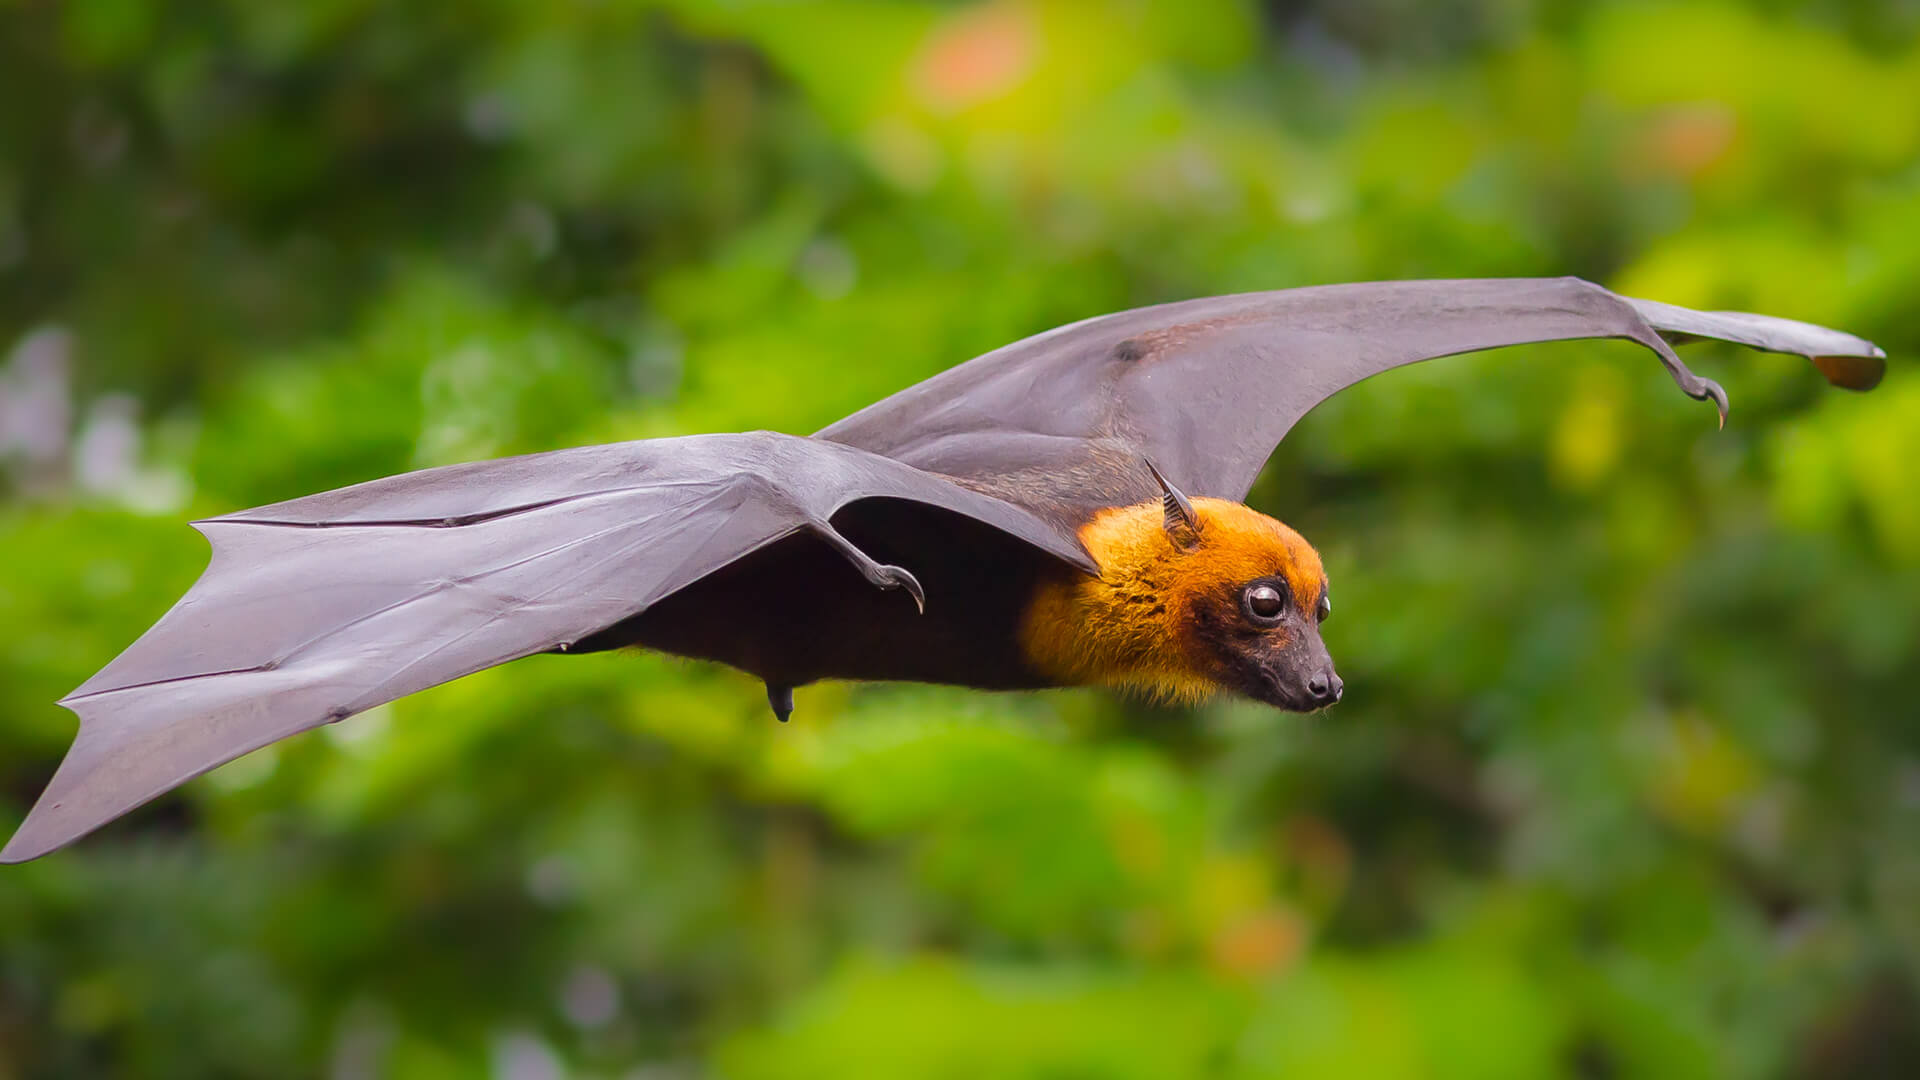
[[318, 608], [1207, 388]]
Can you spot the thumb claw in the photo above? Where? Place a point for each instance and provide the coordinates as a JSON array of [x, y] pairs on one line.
[[1690, 384], [880, 575], [1718, 396], [899, 577], [888, 576]]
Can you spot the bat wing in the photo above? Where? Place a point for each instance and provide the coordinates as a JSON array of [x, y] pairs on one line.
[[1207, 388], [316, 609]]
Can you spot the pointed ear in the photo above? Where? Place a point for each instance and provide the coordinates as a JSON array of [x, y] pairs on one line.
[[1181, 523]]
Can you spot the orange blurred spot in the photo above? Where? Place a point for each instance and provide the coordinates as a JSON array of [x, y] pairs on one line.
[[1260, 944], [979, 54], [1687, 140]]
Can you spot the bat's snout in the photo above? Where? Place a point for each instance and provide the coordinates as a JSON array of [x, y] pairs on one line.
[[1300, 679], [1324, 687]]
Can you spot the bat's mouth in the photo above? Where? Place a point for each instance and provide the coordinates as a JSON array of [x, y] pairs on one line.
[[1273, 689], [1283, 691]]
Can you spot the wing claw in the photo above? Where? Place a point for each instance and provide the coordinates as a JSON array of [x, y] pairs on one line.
[[1718, 396], [878, 574], [1694, 386], [900, 578]]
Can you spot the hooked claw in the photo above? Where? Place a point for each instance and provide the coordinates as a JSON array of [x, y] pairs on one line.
[[1711, 391], [1694, 386], [896, 577], [878, 574]]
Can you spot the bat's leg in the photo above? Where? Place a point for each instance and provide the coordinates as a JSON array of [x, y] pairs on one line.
[[881, 575], [780, 696]]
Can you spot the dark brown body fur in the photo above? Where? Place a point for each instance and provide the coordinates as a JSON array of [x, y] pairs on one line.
[[797, 611]]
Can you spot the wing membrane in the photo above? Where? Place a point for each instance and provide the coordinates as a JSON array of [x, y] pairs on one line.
[[316, 609], [1207, 388]]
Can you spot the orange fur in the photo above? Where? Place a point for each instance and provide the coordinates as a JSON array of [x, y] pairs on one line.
[[1129, 627]]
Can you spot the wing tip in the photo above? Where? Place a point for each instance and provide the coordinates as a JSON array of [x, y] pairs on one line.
[[28, 843], [1856, 373]]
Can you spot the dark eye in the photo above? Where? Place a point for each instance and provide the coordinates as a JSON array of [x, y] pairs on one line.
[[1264, 603], [1326, 605]]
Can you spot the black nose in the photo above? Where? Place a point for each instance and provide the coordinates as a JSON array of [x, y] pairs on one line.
[[1325, 688]]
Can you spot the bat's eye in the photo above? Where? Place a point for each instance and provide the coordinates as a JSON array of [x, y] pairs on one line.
[[1264, 603], [1326, 605]]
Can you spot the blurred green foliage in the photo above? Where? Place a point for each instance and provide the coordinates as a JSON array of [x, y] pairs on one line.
[[1627, 780]]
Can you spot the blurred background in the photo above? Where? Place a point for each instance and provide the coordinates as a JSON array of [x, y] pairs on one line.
[[1627, 778]]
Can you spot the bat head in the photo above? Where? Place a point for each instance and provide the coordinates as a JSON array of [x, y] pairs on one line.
[[1248, 595], [1194, 597]]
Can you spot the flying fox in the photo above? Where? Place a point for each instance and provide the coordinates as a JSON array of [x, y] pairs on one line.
[[1067, 510]]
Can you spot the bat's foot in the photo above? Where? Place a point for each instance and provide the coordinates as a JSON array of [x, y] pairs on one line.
[[781, 698], [878, 574]]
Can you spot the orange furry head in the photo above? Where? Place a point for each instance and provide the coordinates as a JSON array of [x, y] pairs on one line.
[[1234, 605]]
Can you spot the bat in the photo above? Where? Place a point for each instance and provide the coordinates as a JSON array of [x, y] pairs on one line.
[[1066, 510]]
